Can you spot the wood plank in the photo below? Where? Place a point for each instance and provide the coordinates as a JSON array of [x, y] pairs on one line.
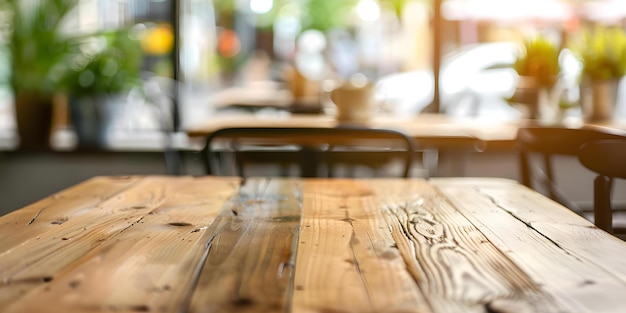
[[133, 252], [25, 233], [535, 231], [347, 260], [47, 214], [453, 263], [399, 246], [251, 248]]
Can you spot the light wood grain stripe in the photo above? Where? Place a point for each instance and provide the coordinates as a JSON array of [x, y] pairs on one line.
[[131, 253], [533, 231], [47, 214], [454, 264], [347, 258]]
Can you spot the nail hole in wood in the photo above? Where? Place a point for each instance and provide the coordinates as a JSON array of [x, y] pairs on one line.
[[243, 302], [58, 222], [140, 308]]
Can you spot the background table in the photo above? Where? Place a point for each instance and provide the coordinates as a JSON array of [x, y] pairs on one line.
[[451, 138], [447, 139], [431, 130], [207, 244]]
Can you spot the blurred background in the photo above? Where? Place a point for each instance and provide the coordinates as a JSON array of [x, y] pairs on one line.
[[150, 69], [195, 57]]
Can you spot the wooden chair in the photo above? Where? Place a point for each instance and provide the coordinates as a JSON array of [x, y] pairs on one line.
[[314, 152], [545, 143], [606, 158]]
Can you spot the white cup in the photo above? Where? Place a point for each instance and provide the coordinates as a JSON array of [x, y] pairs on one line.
[[354, 101]]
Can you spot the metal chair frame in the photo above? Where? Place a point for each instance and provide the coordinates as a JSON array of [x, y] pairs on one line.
[[310, 149], [547, 142]]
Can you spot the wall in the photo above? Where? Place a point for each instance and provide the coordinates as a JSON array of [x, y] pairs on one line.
[[28, 177]]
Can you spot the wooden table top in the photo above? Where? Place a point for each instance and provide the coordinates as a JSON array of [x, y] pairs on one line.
[[430, 129], [210, 244]]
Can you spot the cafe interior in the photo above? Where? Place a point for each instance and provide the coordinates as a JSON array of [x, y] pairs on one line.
[[134, 87], [312, 156]]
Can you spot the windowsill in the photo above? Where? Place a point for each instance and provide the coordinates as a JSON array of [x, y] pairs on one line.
[[65, 139]]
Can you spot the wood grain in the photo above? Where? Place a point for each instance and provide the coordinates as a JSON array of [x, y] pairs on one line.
[[251, 250], [347, 260], [208, 244], [534, 231], [133, 252], [47, 214], [399, 246], [30, 235], [454, 264]]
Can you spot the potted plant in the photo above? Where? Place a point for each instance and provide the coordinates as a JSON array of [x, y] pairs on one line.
[[103, 69], [602, 51], [537, 65], [38, 50]]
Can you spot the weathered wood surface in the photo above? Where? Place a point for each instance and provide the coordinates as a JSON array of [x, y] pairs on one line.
[[400, 246], [184, 244], [580, 265], [133, 250], [347, 259], [251, 250]]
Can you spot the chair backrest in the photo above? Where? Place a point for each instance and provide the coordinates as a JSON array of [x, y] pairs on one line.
[[548, 142], [315, 152], [558, 140], [605, 158]]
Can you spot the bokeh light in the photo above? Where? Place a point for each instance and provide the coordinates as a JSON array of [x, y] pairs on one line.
[[228, 44]]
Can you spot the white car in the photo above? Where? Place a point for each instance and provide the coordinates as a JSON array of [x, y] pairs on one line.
[[474, 81]]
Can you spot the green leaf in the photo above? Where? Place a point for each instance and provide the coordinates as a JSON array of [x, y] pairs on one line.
[[539, 58], [602, 50]]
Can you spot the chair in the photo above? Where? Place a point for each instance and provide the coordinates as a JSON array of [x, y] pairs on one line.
[[547, 142], [314, 152], [605, 158]]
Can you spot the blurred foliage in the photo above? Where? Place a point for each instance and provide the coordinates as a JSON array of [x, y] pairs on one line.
[[37, 46], [602, 51], [325, 15], [398, 5], [539, 59], [224, 5], [46, 59], [106, 63]]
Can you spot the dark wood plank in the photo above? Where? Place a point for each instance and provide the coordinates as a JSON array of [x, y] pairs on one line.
[[251, 250]]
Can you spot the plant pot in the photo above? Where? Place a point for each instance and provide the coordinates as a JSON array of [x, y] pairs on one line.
[[598, 99], [537, 102], [548, 105], [91, 118], [34, 121]]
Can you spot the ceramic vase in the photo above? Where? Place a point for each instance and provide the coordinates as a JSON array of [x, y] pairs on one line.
[[598, 99]]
